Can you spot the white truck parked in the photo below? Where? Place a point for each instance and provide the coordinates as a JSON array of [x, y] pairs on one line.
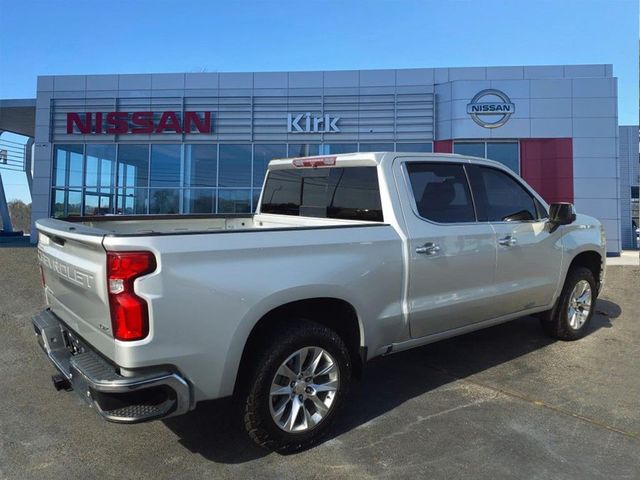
[[347, 257]]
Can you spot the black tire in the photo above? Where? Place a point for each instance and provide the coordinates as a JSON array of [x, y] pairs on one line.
[[555, 322], [288, 338]]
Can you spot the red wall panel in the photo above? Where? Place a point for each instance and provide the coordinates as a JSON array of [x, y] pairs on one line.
[[547, 165], [443, 146]]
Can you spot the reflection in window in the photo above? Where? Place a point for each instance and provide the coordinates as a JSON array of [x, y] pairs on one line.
[[165, 166], [100, 165], [200, 200], [57, 209], [74, 203], [376, 147], [235, 166], [201, 164], [506, 153], [414, 147], [234, 201], [340, 148], [303, 150], [471, 149], [164, 200], [133, 165], [68, 165], [262, 155], [441, 192], [131, 201]]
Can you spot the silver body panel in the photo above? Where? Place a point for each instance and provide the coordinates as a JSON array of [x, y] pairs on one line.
[[216, 278]]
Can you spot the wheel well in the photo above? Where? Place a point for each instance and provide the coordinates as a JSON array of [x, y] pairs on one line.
[[591, 260], [334, 313]]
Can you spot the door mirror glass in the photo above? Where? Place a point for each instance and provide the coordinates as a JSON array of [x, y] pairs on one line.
[[561, 213]]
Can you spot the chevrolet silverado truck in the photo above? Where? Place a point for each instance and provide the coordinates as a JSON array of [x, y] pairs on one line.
[[346, 258]]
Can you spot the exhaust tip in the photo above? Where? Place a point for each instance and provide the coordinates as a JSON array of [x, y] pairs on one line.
[[60, 382]]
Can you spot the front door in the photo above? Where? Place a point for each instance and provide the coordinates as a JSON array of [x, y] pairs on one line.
[[529, 254], [451, 255]]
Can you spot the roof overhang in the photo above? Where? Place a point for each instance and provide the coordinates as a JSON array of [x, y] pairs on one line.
[[18, 116]]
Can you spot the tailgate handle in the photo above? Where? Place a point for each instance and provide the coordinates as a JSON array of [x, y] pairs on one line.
[[58, 240]]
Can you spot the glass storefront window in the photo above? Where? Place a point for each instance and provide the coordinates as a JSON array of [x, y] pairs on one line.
[[57, 209], [100, 165], [74, 203], [262, 155], [68, 165], [235, 166], [472, 149], [164, 201], [131, 201], [339, 148], [133, 165], [200, 200], [165, 166], [234, 201], [201, 165], [506, 153], [98, 203], [414, 147], [376, 147], [303, 150]]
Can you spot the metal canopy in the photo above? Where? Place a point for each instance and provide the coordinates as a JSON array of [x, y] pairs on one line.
[[18, 116]]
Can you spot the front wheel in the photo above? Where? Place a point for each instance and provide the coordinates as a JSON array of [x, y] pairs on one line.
[[570, 318], [299, 380]]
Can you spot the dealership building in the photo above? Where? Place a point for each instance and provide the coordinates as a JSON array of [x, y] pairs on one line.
[[200, 142]]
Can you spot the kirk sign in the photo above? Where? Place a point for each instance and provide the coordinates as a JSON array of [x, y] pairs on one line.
[[305, 123], [122, 123]]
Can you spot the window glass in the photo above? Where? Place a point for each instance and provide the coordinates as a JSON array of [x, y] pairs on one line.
[[376, 147], [164, 200], [262, 155], [165, 166], [502, 197], [133, 165], [414, 147], [201, 164], [99, 167], [58, 204], [441, 192], [234, 201], [472, 149], [256, 197], [235, 166], [303, 150], [506, 153], [74, 203], [348, 193], [340, 148], [200, 200], [97, 204], [131, 201], [68, 165]]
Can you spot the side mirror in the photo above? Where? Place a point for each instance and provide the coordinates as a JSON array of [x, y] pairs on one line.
[[561, 213]]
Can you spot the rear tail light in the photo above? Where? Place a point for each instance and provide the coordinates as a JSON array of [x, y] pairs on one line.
[[129, 313]]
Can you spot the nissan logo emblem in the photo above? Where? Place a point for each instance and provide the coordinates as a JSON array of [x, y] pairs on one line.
[[494, 111]]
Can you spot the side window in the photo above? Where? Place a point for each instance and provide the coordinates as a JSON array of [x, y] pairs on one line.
[[441, 192], [502, 198]]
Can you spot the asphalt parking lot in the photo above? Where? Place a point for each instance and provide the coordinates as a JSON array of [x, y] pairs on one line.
[[506, 402]]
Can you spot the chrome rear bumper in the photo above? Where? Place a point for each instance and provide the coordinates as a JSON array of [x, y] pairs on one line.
[[147, 395]]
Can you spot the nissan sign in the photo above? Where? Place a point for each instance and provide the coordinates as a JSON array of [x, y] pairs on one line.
[[305, 123], [491, 108], [120, 123]]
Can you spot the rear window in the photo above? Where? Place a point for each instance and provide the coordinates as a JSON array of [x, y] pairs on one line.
[[349, 193]]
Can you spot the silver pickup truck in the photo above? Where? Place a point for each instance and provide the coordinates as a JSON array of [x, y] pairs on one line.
[[347, 257]]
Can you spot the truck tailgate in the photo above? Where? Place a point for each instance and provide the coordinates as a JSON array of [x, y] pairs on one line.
[[74, 271]]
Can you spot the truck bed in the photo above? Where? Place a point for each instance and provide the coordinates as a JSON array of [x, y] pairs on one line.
[[190, 224]]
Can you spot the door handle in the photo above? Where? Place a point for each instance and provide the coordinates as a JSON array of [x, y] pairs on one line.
[[507, 241], [428, 248]]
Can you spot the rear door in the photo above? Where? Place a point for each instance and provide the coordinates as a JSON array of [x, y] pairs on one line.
[[451, 255], [529, 255]]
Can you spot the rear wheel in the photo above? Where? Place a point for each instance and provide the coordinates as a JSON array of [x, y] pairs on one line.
[[570, 318], [299, 380]]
